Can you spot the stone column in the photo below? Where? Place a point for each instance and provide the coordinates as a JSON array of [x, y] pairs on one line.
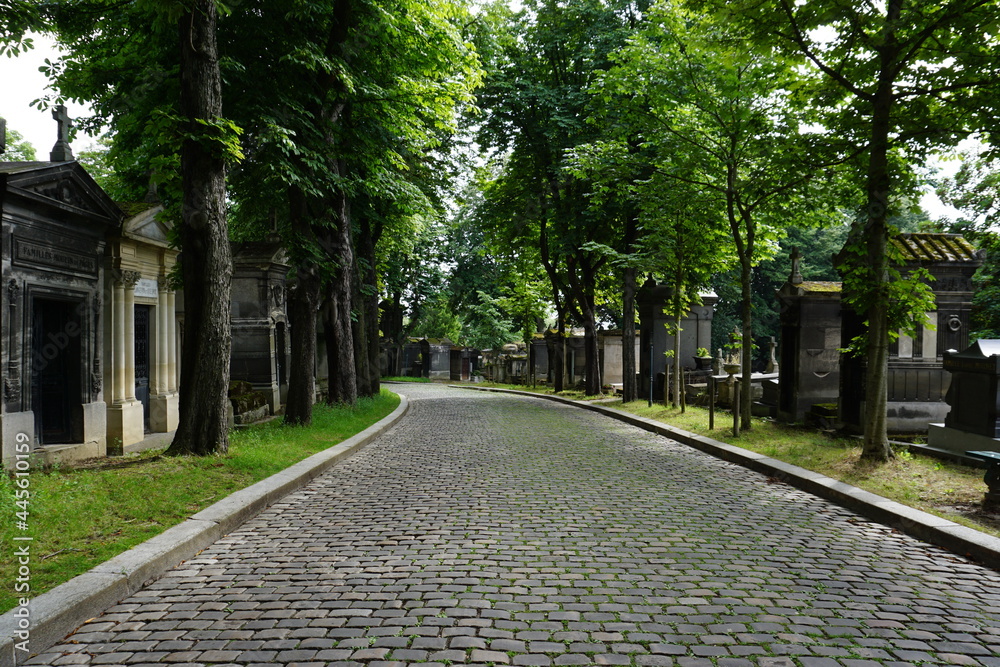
[[929, 349], [172, 370], [125, 415], [118, 344], [129, 278], [162, 337]]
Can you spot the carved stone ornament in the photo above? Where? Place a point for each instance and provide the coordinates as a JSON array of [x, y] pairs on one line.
[[96, 377], [12, 389], [130, 278], [13, 291]]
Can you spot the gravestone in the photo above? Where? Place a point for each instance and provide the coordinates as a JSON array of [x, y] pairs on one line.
[[141, 324], [612, 345], [463, 363], [439, 358], [973, 421], [815, 325], [973, 396]]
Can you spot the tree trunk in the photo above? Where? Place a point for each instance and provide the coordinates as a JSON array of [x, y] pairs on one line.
[[339, 337], [630, 387], [343, 386], [302, 301], [591, 353], [366, 244], [675, 401], [746, 345], [740, 221], [559, 367], [206, 264], [876, 441], [359, 331]]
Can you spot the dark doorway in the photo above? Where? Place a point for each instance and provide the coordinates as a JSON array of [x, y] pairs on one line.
[[55, 370], [142, 360]]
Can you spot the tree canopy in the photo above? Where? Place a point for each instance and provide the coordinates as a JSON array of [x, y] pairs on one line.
[[480, 173]]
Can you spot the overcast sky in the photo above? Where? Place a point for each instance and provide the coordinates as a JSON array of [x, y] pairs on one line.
[[22, 83]]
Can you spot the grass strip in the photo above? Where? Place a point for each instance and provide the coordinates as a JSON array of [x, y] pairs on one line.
[[81, 517]]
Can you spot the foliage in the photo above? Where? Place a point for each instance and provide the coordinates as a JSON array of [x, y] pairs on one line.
[[723, 142], [95, 158], [438, 321], [892, 80], [18, 18], [124, 65], [540, 65], [973, 190], [18, 148]]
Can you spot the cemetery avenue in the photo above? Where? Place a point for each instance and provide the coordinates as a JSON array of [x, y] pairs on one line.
[[491, 529]]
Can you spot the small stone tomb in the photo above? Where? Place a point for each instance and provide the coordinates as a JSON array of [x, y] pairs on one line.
[[973, 422]]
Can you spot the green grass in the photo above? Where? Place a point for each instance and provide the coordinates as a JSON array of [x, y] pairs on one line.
[[81, 517]]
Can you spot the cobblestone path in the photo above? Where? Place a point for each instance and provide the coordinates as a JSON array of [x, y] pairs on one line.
[[491, 530]]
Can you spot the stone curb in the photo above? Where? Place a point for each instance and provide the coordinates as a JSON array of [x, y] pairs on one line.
[[947, 534], [56, 613]]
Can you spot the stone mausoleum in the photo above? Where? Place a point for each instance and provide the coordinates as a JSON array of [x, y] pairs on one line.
[[259, 319], [815, 326], [656, 340], [92, 326], [141, 329], [56, 220]]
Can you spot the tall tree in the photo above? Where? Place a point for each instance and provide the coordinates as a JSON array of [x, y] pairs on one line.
[[206, 262], [151, 71], [369, 88], [18, 19], [897, 78], [720, 132], [536, 95]]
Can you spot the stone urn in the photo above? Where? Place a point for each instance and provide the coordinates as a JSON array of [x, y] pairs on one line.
[[703, 363]]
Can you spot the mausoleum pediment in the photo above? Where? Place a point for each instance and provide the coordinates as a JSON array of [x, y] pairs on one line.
[[147, 225], [61, 188]]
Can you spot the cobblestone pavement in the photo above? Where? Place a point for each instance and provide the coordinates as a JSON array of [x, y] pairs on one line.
[[492, 530]]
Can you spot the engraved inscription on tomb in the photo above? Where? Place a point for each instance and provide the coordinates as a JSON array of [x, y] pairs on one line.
[[26, 252]]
